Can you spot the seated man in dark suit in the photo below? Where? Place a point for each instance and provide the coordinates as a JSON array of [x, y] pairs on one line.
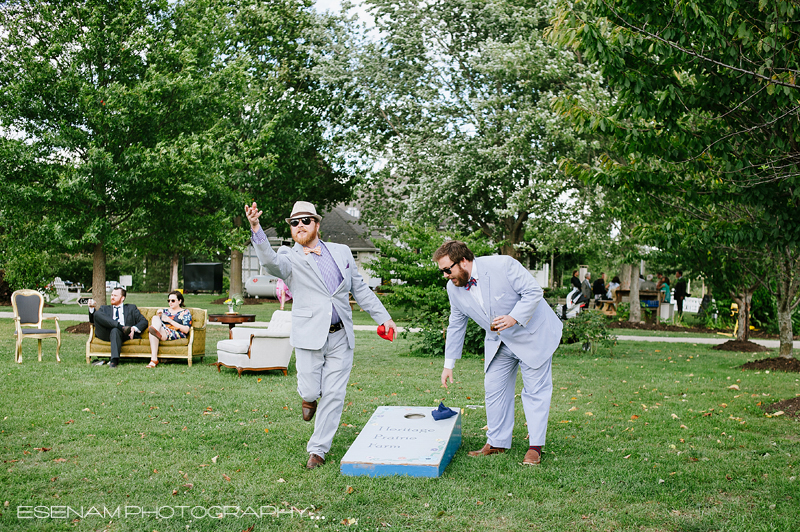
[[116, 323]]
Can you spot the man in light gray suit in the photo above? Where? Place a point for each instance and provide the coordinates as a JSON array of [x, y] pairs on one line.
[[522, 333], [321, 276]]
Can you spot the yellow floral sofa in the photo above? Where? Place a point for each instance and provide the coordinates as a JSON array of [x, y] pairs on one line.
[[193, 345]]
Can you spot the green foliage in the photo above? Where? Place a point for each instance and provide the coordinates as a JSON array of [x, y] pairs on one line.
[[454, 101], [30, 268], [702, 130], [419, 287], [589, 327]]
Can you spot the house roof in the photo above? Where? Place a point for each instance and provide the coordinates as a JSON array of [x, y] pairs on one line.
[[338, 226]]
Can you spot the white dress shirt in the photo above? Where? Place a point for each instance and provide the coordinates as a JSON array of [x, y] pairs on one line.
[[450, 363]]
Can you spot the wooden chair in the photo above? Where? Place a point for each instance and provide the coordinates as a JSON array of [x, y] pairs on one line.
[[28, 305], [64, 295]]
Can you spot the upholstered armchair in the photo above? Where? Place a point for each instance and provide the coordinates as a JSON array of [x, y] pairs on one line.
[[258, 349]]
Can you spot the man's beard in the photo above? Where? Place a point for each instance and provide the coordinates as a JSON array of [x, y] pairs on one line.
[[461, 278], [304, 239]]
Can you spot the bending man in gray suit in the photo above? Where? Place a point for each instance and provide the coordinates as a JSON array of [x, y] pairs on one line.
[[321, 276], [522, 332]]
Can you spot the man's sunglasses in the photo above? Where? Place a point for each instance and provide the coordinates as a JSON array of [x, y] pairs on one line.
[[448, 270], [298, 221]]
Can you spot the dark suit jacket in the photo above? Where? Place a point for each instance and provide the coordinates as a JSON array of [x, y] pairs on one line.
[[680, 288], [599, 287], [103, 319]]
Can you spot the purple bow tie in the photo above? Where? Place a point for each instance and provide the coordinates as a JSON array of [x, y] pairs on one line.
[[472, 282]]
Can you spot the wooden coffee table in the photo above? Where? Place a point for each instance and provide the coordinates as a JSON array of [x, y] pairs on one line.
[[232, 320]]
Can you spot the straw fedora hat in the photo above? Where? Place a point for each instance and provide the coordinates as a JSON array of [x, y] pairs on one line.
[[302, 209]]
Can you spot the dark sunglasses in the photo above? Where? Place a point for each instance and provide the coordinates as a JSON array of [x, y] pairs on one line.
[[448, 270], [298, 221], [172, 300]]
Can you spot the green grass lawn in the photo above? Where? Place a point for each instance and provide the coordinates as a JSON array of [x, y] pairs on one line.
[[650, 438], [263, 311]]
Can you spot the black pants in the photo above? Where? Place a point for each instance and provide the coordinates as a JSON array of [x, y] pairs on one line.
[[679, 300]]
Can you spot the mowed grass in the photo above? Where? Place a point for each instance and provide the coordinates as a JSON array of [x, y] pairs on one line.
[[263, 310], [649, 438]]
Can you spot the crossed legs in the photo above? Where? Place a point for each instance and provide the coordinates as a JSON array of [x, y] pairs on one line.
[[156, 335]]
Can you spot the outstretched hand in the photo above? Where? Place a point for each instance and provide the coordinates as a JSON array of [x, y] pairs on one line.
[[252, 213], [447, 374]]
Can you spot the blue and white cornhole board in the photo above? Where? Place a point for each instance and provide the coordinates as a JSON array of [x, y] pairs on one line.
[[403, 440]]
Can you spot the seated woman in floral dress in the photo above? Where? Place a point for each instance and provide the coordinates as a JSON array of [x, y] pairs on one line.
[[171, 323]]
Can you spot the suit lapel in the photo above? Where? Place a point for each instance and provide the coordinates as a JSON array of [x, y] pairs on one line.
[[486, 287], [337, 258]]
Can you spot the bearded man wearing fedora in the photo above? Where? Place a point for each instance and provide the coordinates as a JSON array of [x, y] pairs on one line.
[[321, 276]]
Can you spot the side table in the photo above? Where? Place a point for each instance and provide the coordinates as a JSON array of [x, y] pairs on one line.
[[232, 320]]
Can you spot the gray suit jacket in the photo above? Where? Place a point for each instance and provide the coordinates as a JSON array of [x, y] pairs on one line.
[[507, 289], [311, 306]]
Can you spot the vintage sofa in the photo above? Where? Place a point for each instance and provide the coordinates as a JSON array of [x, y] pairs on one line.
[[194, 345]]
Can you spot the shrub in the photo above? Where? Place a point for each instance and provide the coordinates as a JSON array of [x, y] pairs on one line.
[[419, 287], [589, 328]]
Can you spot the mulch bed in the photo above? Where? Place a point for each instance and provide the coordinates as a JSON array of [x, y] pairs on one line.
[[790, 407], [674, 328], [789, 365], [247, 301], [81, 328], [740, 347], [656, 327]]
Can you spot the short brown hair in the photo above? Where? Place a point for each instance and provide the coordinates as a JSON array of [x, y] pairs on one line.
[[454, 249], [124, 292]]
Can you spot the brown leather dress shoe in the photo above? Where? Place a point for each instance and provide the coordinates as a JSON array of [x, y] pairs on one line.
[[486, 450], [531, 458], [309, 409], [314, 461]]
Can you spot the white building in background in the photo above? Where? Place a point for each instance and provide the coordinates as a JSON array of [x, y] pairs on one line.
[[337, 226]]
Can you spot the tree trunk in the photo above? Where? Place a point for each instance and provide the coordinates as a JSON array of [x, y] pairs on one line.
[[744, 300], [636, 308], [552, 280], [788, 284], [625, 278], [236, 272], [786, 331], [99, 274], [236, 265], [173, 272]]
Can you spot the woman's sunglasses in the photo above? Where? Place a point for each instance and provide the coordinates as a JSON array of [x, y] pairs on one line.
[[298, 221], [172, 300]]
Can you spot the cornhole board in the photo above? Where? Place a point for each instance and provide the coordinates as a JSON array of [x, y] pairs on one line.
[[403, 440]]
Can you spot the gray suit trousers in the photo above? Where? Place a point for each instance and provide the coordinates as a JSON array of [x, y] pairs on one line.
[[323, 374], [500, 382]]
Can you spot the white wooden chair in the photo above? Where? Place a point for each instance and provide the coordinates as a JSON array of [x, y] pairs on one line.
[[28, 305], [64, 295], [257, 349]]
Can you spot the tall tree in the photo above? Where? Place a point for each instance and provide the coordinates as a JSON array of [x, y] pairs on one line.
[[451, 119], [705, 115], [273, 143], [107, 92]]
